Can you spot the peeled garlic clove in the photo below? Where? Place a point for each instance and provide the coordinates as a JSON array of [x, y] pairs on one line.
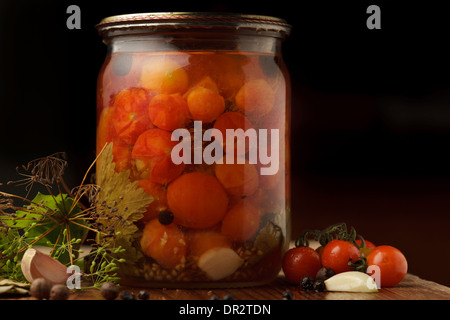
[[351, 281], [36, 265], [219, 263]]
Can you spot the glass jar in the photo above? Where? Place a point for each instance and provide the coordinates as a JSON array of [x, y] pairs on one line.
[[193, 133]]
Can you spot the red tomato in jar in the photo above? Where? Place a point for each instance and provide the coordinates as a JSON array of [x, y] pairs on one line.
[[300, 262], [338, 253], [390, 263]]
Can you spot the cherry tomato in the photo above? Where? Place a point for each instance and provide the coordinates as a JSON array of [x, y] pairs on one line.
[[241, 221], [365, 251], [130, 116], [300, 262], [368, 243], [164, 243], [197, 200], [338, 253], [391, 262]]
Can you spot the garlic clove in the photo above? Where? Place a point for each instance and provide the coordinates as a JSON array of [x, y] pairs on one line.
[[351, 281], [36, 265], [219, 263], [26, 264]]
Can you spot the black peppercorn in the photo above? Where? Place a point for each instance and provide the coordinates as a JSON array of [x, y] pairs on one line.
[[319, 286], [165, 217], [143, 295], [324, 273], [307, 283], [288, 295], [126, 295]]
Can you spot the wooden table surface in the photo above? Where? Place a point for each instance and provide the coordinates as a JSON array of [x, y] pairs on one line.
[[411, 288]]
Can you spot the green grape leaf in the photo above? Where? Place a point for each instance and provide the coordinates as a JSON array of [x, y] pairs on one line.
[[120, 203]]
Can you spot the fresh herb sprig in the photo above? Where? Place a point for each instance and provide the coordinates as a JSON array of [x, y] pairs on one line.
[[102, 264], [59, 220]]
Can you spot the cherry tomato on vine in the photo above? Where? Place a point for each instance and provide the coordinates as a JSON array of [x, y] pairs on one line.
[[368, 243], [300, 262], [338, 253], [365, 251], [391, 262]]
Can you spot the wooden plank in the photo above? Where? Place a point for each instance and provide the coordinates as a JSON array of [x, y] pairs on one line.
[[411, 288]]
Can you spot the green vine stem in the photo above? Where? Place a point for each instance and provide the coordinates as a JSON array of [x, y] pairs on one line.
[[335, 231]]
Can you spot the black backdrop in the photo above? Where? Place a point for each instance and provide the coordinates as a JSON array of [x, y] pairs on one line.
[[370, 116]]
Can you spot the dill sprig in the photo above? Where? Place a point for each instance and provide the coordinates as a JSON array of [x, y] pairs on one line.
[[59, 220]]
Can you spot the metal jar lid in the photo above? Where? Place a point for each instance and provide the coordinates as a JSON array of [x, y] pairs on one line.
[[157, 20]]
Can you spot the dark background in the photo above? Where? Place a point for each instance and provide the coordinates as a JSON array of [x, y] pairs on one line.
[[370, 109]]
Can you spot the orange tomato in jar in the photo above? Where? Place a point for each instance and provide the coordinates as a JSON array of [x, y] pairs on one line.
[[202, 240], [130, 117], [105, 128], [159, 202], [205, 105], [164, 243], [162, 74], [234, 121], [197, 200], [152, 157], [255, 98], [241, 222], [238, 179], [224, 70], [121, 155], [168, 111]]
